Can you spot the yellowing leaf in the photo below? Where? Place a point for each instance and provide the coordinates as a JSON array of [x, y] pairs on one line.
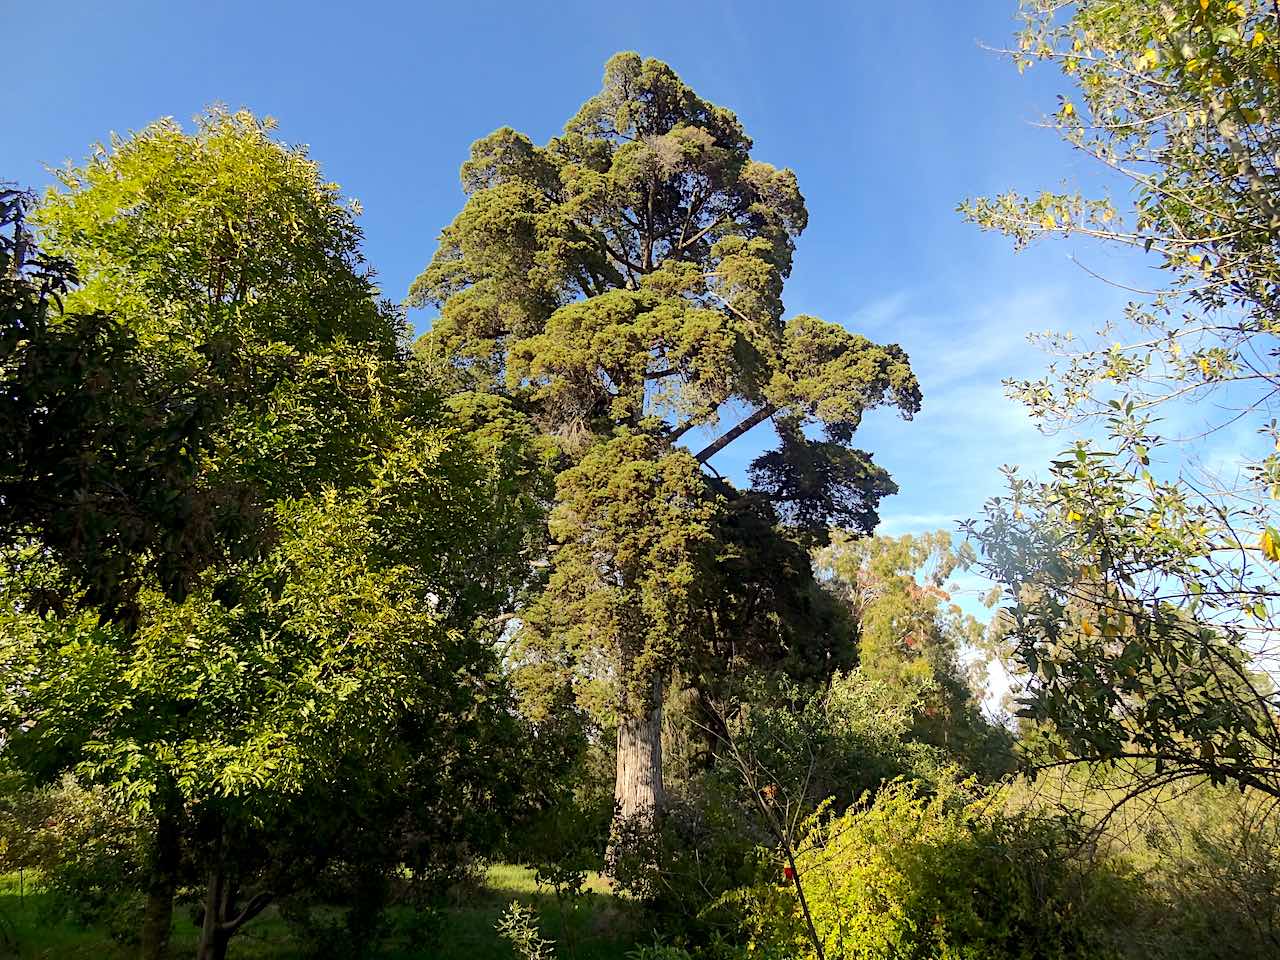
[[1087, 628], [1270, 543]]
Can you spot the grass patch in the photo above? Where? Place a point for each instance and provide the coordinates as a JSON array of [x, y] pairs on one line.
[[602, 927]]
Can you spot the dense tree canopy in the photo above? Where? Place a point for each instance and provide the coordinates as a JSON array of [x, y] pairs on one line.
[[913, 636], [358, 641], [308, 581], [624, 284]]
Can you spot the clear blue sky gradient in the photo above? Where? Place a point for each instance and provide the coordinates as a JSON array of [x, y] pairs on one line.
[[890, 114]]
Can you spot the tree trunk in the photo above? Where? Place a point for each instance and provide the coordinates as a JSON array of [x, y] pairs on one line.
[[223, 916], [213, 936], [638, 787], [162, 884]]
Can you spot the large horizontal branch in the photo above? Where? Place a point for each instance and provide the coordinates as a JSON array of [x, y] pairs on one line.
[[760, 416], [680, 430], [685, 244]]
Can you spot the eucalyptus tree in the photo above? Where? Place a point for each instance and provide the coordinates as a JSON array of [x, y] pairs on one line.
[[913, 636], [623, 283]]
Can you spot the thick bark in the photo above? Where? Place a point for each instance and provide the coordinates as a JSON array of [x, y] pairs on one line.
[[162, 884], [638, 788]]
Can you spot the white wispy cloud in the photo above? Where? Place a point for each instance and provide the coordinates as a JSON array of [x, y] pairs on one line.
[[896, 524], [947, 460]]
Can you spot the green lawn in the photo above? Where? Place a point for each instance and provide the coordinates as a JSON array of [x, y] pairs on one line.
[[601, 929]]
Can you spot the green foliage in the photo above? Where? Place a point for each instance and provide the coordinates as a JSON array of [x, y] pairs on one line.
[[634, 528], [86, 853], [519, 926], [817, 484], [911, 637], [1178, 99], [1218, 883], [218, 345], [623, 284], [914, 876], [1203, 857], [1141, 585], [311, 638], [1117, 676], [342, 911], [310, 661], [806, 748], [704, 844], [91, 423], [779, 755], [463, 928]]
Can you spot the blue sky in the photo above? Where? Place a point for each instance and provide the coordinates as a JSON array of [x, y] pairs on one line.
[[890, 114]]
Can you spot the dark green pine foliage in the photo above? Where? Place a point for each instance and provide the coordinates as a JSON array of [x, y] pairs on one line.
[[623, 284]]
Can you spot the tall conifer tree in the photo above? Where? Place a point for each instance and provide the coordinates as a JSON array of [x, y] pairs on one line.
[[624, 283]]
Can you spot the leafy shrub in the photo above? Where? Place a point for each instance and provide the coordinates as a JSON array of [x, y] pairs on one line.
[[794, 750], [659, 952], [1223, 889], [565, 844], [518, 925], [916, 876], [342, 912], [87, 850], [701, 847], [1208, 858], [1211, 860], [831, 745]]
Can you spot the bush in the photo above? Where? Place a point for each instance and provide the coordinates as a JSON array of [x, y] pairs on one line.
[[86, 849], [829, 745], [916, 876], [701, 847], [1211, 858], [780, 745], [342, 912]]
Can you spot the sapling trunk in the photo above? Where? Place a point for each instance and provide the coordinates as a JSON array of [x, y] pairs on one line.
[[223, 913]]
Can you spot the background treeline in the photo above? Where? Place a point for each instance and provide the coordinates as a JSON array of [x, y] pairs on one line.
[[307, 624]]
